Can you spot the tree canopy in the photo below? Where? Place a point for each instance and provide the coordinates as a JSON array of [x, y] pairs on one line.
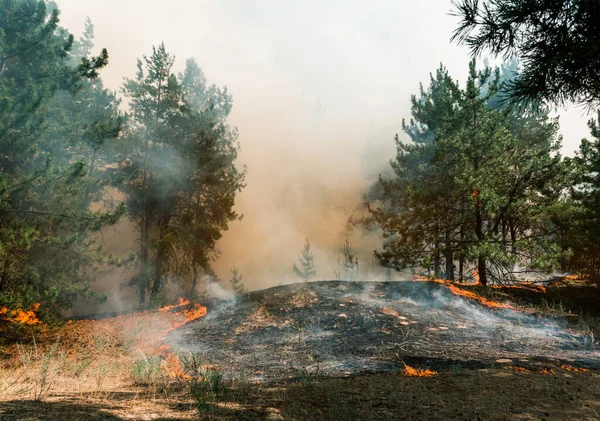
[[558, 42], [48, 232], [477, 184]]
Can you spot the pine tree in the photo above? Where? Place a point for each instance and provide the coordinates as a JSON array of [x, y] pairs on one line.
[[150, 164], [212, 178], [178, 169], [236, 281], [418, 202], [48, 235], [348, 266], [305, 267], [583, 224], [487, 192], [556, 40]]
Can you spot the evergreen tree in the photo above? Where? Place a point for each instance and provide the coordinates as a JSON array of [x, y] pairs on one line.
[[486, 193], [212, 179], [48, 234], [348, 266], [583, 225], [150, 164], [420, 191], [556, 40], [305, 267], [236, 281], [178, 169]]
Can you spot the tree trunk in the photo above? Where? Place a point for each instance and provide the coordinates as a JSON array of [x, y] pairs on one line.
[[194, 282], [482, 271], [144, 239], [160, 255], [513, 237], [461, 257], [436, 262], [504, 235], [3, 277], [479, 233], [449, 257]]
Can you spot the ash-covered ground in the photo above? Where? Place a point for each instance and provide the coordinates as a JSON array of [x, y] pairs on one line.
[[347, 328]]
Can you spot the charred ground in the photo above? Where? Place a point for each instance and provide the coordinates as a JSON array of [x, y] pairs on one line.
[[348, 328]]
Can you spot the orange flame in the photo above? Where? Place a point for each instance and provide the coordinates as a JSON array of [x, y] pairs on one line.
[[523, 285], [20, 316], [547, 371], [191, 314], [469, 294], [182, 302], [417, 372], [517, 368], [472, 296], [174, 368], [574, 369]]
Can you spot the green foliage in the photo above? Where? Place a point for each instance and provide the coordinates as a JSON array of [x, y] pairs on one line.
[[48, 178], [583, 223], [148, 371], [236, 281], [177, 169], [305, 267], [347, 263], [556, 40], [480, 184]]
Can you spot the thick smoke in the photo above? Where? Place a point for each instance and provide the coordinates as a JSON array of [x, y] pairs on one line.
[[319, 90]]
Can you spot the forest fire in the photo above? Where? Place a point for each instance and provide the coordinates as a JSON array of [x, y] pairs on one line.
[[172, 365], [191, 314], [568, 367], [518, 368], [417, 372], [470, 295], [20, 316], [182, 302]]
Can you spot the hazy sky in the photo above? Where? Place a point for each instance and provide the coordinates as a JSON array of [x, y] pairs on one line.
[[356, 61]]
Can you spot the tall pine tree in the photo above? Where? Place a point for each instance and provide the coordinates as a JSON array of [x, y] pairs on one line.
[[483, 187], [48, 234]]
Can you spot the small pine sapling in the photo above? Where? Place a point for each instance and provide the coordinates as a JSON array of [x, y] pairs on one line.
[[236, 281], [305, 267], [347, 263]]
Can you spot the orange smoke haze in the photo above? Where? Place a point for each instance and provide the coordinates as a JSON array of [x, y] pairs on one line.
[[303, 182], [319, 90]]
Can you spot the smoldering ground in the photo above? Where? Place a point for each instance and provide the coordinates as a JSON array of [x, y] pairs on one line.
[[303, 330]]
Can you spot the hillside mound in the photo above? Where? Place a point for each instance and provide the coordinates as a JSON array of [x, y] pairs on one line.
[[349, 328]]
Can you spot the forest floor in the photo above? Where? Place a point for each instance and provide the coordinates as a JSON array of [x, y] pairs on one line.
[[320, 351]]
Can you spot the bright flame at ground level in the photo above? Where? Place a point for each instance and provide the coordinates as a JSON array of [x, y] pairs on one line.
[[182, 302], [20, 316], [191, 314], [470, 295], [417, 372]]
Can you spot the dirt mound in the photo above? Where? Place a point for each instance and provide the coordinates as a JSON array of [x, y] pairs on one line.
[[345, 328]]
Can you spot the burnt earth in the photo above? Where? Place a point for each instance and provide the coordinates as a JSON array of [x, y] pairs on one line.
[[346, 328]]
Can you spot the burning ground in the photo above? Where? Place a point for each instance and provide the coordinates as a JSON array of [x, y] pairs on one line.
[[348, 328], [314, 351]]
